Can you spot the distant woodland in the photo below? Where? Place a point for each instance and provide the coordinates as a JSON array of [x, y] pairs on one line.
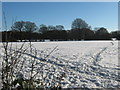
[[80, 30]]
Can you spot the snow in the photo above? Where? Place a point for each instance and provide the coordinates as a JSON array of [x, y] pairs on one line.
[[91, 64]]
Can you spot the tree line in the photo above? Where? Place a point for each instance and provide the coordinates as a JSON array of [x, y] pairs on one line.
[[80, 30]]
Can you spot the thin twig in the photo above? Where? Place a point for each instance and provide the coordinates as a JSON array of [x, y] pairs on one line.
[[51, 52]]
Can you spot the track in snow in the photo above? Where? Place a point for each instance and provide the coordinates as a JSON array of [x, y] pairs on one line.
[[82, 65]]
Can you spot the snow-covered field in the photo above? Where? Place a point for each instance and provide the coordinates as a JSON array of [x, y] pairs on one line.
[[91, 64]]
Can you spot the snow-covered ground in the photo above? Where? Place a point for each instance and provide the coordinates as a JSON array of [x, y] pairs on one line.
[[91, 64]]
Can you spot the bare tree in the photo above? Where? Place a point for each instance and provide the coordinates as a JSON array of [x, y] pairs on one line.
[[30, 27], [78, 23], [51, 27], [59, 27], [43, 28], [18, 26]]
